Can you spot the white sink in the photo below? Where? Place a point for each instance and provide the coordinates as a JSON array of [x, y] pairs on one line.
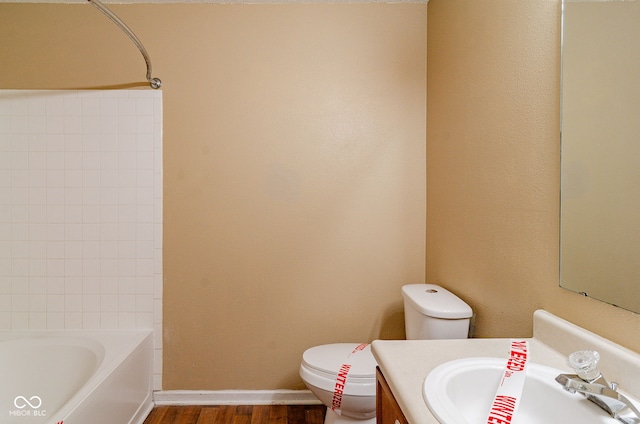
[[462, 391]]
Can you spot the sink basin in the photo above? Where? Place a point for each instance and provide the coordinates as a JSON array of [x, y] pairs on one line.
[[462, 391]]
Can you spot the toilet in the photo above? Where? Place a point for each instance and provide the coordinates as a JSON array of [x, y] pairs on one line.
[[343, 375]]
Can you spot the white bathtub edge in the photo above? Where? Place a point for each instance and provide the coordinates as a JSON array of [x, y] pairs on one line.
[[143, 411], [235, 397]]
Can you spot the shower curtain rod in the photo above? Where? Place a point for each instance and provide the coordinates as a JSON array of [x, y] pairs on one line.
[[153, 82]]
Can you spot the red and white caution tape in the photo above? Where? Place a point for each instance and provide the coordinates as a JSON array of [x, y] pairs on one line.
[[341, 380], [505, 404]]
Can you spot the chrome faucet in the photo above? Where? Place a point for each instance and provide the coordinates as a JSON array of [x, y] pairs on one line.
[[589, 381]]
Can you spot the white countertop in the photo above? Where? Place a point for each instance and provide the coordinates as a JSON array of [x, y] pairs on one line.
[[406, 363]]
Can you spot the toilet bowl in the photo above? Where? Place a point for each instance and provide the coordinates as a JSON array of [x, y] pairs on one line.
[[343, 375]]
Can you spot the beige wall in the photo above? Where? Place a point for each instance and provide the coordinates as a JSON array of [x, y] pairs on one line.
[[294, 167], [493, 167]]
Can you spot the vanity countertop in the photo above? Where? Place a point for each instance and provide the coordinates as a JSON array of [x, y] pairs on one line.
[[406, 363]]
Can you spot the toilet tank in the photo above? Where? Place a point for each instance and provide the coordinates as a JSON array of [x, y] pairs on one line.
[[433, 312]]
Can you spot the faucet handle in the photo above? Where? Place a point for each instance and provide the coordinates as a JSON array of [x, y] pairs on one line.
[[585, 363]]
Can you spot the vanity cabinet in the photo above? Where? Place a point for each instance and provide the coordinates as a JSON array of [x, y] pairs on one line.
[[387, 409]]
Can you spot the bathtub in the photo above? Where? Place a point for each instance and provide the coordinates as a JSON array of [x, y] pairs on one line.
[[75, 377]]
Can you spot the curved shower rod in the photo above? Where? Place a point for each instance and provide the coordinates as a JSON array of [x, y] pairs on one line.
[[153, 82]]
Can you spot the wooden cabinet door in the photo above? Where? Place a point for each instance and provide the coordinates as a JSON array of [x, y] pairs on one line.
[[387, 409]]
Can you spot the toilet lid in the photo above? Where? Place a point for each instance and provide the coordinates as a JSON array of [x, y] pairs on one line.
[[327, 359]]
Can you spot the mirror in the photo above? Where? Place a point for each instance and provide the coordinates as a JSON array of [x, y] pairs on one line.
[[600, 153]]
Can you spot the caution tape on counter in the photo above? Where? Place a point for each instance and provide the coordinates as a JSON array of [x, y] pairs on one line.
[[507, 399]]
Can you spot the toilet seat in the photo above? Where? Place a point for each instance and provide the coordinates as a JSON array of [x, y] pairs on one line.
[[320, 366]]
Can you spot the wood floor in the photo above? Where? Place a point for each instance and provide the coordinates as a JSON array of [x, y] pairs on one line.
[[233, 414]]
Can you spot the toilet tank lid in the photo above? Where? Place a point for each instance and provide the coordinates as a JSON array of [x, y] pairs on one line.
[[435, 301]]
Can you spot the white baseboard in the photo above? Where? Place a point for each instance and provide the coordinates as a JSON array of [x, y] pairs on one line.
[[235, 397]]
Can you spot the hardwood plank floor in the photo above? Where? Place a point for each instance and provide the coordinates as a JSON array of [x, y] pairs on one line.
[[234, 414]]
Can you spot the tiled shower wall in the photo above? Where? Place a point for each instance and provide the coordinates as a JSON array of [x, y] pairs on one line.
[[81, 211]]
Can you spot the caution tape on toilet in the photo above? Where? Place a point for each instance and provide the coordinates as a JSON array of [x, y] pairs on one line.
[[341, 379], [507, 398]]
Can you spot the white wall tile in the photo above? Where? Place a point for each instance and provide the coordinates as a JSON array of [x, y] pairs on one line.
[[91, 303], [109, 320], [73, 320], [37, 285], [73, 285], [37, 320], [19, 284], [72, 303], [20, 302], [54, 249], [55, 285], [55, 302], [127, 320], [91, 286], [55, 320], [144, 319], [36, 124], [90, 320], [74, 248], [13, 248], [81, 211], [109, 302], [19, 320], [145, 285], [37, 303], [73, 143], [5, 301]]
